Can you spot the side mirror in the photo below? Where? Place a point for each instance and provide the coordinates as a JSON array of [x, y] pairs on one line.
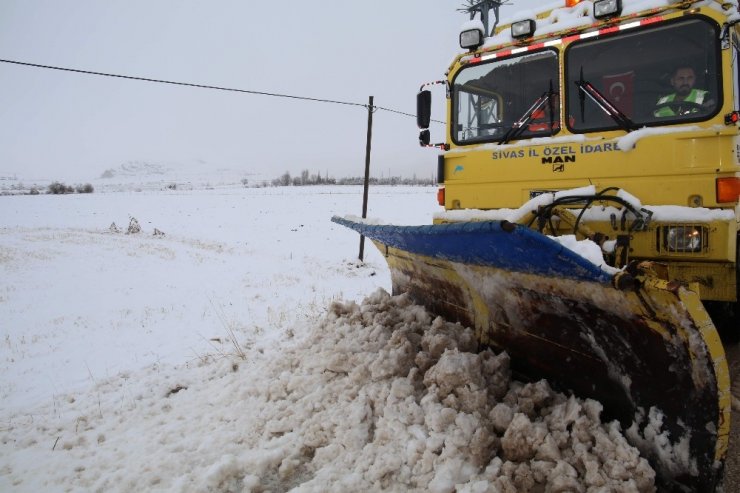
[[424, 116], [423, 108]]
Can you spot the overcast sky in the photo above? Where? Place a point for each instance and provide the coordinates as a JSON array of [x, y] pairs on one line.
[[66, 126]]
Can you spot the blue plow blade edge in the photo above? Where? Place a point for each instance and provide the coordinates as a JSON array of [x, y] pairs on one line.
[[497, 244]]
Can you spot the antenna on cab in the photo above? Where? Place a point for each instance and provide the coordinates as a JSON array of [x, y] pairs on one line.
[[484, 7]]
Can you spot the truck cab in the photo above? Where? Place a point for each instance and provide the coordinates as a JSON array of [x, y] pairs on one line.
[[637, 99]]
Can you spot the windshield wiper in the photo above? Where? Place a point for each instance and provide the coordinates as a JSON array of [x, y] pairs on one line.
[[521, 124], [587, 89]]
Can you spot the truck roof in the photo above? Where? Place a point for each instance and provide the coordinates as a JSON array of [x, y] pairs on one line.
[[553, 17]]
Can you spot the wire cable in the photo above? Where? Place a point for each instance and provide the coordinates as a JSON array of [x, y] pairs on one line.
[[188, 84], [204, 86], [402, 113]]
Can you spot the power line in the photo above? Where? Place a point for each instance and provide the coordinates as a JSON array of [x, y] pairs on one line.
[[203, 86], [401, 113], [188, 84]]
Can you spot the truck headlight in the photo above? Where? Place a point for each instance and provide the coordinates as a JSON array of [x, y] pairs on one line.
[[607, 8], [471, 39], [523, 28], [684, 239]]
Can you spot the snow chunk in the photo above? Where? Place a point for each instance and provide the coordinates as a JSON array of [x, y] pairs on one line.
[[587, 190], [586, 249], [363, 220], [654, 440], [628, 142], [473, 24], [629, 198]]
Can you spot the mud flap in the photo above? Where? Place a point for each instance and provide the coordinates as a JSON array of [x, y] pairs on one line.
[[649, 353]]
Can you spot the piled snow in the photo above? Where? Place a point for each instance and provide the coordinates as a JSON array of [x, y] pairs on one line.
[[377, 397]]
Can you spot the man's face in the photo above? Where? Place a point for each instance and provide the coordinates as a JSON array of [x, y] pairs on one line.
[[683, 81]]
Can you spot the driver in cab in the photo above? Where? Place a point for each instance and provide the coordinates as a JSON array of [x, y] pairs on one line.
[[685, 100]]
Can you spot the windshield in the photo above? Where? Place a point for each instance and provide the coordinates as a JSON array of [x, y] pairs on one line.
[[490, 98], [653, 76]]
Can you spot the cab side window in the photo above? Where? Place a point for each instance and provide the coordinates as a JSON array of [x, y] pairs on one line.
[[488, 99]]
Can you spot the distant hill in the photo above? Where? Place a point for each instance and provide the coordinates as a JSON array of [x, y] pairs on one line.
[[189, 175], [136, 169]]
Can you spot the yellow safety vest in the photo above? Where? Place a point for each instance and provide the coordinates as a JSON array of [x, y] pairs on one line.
[[695, 96]]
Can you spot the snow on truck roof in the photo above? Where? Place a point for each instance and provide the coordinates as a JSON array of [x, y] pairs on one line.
[[554, 17]]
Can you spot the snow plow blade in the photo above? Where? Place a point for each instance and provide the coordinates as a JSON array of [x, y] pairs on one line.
[[645, 348]]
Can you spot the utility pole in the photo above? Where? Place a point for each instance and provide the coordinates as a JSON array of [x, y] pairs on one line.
[[367, 170]]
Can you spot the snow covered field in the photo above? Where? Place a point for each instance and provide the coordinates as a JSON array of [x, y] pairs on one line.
[[235, 353], [81, 303]]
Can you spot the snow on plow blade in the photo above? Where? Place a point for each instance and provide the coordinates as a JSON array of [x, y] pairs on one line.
[[642, 346]]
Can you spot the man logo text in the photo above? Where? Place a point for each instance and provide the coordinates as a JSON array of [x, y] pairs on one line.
[[558, 159]]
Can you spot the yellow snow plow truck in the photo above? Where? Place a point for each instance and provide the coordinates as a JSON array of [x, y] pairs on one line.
[[590, 175]]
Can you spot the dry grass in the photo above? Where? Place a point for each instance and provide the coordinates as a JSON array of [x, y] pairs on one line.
[[230, 334]]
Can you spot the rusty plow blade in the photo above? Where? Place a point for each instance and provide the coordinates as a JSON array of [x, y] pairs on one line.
[[645, 348]]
